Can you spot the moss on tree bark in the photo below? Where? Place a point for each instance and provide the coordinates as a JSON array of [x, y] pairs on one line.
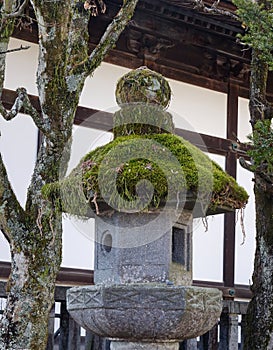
[[259, 320], [35, 232]]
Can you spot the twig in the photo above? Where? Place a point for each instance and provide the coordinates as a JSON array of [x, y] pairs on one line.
[[109, 38], [242, 216], [200, 6], [6, 234], [16, 49], [94, 200], [205, 223], [245, 164], [23, 104], [18, 12]]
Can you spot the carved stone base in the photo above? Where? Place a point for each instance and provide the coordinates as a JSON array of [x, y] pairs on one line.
[[116, 345], [145, 312]]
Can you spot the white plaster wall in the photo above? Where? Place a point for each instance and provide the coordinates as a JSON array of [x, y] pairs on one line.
[[198, 109], [18, 145], [208, 243], [21, 67], [194, 108], [99, 89], [245, 247], [244, 127], [18, 142], [79, 235]]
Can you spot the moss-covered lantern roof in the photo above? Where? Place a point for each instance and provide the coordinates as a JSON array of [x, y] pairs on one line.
[[147, 167]]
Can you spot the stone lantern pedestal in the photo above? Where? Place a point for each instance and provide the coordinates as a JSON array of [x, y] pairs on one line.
[[136, 301]]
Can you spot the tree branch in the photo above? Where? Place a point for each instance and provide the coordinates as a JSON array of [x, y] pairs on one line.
[[15, 109], [13, 50], [11, 211], [93, 7], [18, 12], [245, 164], [109, 38], [259, 107], [213, 9], [7, 236], [264, 183], [23, 104]]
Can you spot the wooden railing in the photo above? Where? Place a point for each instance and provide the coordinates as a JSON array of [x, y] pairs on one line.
[[74, 277], [66, 334]]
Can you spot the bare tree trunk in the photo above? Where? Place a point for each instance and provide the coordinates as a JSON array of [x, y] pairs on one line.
[[31, 292], [35, 232], [35, 236], [259, 320]]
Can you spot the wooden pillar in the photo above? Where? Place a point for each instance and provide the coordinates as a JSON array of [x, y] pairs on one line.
[[74, 338], [228, 331], [243, 324], [94, 342], [209, 340], [233, 332], [70, 337], [213, 338], [51, 322], [190, 344], [231, 168]]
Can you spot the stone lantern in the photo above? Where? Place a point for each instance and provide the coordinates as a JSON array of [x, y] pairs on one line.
[[145, 194]]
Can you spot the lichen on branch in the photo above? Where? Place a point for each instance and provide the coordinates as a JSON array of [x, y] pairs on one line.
[[10, 209], [63, 66], [109, 38]]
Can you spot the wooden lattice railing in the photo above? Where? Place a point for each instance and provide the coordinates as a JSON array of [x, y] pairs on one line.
[[66, 334]]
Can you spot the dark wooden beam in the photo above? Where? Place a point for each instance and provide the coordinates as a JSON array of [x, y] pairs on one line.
[[232, 112], [176, 40], [237, 291], [206, 143], [101, 120], [66, 276], [71, 277]]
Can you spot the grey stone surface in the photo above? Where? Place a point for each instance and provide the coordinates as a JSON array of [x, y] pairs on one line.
[[115, 345], [148, 253], [191, 344], [233, 331], [140, 248], [145, 312], [180, 272]]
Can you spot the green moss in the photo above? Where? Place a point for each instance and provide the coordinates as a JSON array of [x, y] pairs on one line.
[[226, 191], [146, 166], [121, 173], [68, 194], [261, 151], [141, 119], [143, 85], [6, 26]]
